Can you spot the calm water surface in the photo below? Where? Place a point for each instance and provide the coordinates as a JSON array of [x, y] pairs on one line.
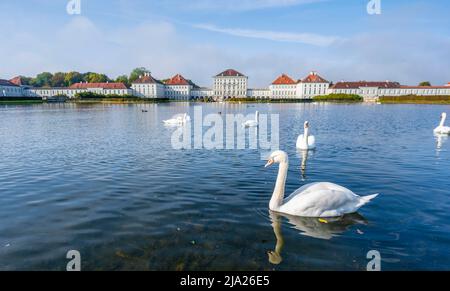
[[105, 180]]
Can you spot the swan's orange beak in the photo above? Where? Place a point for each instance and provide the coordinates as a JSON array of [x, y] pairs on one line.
[[269, 163]]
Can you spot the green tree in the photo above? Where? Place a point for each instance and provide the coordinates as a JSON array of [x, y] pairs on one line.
[[73, 78], [59, 79], [42, 80], [426, 83], [136, 73], [96, 78], [26, 81], [123, 79]]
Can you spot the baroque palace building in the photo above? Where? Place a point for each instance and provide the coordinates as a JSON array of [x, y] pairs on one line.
[[229, 84]]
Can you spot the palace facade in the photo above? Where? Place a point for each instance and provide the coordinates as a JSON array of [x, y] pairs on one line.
[[226, 85], [9, 89], [372, 90]]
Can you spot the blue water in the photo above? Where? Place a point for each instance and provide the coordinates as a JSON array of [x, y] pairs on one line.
[[104, 180]]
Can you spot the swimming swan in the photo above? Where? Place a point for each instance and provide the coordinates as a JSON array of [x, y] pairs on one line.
[[252, 123], [306, 141], [441, 129], [180, 120], [312, 200]]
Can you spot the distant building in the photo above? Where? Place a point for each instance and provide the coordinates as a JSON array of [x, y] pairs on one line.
[[284, 87], [9, 89], [263, 93], [178, 88], [106, 88], [148, 87], [201, 93], [230, 84], [99, 88], [17, 81], [312, 85], [372, 90]]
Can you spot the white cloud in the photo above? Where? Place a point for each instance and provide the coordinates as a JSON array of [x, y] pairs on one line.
[[305, 38]]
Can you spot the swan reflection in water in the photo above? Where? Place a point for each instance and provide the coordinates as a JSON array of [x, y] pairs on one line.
[[303, 155], [312, 227], [440, 140]]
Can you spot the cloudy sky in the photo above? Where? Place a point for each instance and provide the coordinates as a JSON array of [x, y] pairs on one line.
[[409, 42]]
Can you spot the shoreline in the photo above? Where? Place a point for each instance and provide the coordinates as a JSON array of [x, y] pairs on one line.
[[147, 101], [417, 102]]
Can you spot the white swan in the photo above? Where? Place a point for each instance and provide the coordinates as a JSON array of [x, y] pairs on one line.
[[306, 141], [312, 200], [180, 120], [252, 123], [441, 129]]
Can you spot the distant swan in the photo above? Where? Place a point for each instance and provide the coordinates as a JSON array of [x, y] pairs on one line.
[[252, 123], [180, 120], [312, 200], [441, 129], [306, 141]]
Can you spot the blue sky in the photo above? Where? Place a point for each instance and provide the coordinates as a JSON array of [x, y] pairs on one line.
[[409, 42]]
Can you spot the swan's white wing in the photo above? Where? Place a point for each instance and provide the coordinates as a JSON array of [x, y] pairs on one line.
[[318, 186], [321, 200], [300, 143], [442, 130], [311, 141]]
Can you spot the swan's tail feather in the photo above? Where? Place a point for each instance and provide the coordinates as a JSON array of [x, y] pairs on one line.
[[366, 199]]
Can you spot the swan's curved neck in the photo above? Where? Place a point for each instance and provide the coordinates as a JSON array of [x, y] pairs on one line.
[[443, 120], [257, 116], [306, 135], [278, 192]]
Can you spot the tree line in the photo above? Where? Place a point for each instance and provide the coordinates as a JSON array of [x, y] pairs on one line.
[[67, 79]]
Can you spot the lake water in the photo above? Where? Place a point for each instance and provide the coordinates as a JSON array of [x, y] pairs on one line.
[[104, 180]]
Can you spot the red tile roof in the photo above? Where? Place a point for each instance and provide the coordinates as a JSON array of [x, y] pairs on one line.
[[17, 81], [7, 83], [314, 78], [147, 79], [284, 80], [230, 73], [98, 85], [357, 85], [177, 80]]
